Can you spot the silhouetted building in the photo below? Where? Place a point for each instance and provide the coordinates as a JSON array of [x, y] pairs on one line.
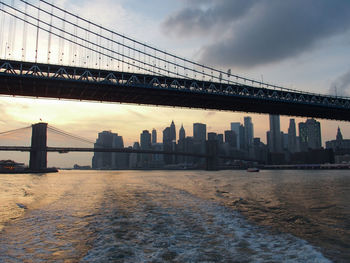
[[242, 140], [182, 133], [119, 160], [199, 132], [340, 146], [231, 138], [274, 135], [249, 131], [212, 136], [154, 136], [236, 127], [172, 131], [135, 158], [220, 138], [103, 160], [292, 137], [145, 141], [310, 135], [167, 145]]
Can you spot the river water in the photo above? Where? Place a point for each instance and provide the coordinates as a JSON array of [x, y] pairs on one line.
[[175, 216]]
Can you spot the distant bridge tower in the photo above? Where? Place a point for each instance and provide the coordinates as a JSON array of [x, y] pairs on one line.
[[38, 153]]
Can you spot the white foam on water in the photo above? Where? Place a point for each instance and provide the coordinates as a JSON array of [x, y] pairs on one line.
[[181, 227]]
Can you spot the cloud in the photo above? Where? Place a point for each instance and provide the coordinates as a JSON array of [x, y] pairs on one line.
[[250, 33], [341, 86]]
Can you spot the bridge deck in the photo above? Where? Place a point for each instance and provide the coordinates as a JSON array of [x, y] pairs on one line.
[[65, 82]]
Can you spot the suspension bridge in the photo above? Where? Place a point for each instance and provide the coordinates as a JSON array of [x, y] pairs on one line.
[[38, 149], [49, 52]]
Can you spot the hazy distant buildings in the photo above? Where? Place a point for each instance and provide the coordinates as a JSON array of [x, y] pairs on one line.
[[238, 143]]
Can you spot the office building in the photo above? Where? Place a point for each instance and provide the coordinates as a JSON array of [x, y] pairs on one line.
[[199, 132], [249, 131], [310, 135], [231, 138], [274, 135], [292, 137], [154, 136], [236, 127], [182, 133]]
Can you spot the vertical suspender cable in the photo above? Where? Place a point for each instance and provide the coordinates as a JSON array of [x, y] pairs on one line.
[[2, 30], [49, 40], [24, 39], [37, 36]]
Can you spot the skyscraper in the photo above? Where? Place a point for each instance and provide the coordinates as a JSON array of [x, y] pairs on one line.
[[310, 134], [182, 133], [235, 126], [249, 131], [231, 138], [275, 140], [199, 132], [146, 142], [292, 136], [103, 159], [172, 131], [154, 136], [167, 144]]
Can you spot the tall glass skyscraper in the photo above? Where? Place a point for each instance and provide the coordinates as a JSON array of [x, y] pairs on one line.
[[275, 140]]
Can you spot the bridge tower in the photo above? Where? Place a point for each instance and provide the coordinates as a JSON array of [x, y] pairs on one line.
[[38, 153], [212, 151]]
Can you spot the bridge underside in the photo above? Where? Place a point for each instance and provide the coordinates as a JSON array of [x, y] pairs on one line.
[[140, 93]]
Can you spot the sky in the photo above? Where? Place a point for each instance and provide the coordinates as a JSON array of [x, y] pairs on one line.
[[299, 44]]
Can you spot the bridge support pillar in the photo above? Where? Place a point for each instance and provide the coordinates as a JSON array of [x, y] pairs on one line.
[[38, 153], [212, 151]]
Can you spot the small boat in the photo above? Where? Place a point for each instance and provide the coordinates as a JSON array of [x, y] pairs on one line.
[[253, 170]]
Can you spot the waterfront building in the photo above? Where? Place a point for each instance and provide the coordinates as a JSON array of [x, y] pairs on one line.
[[103, 160], [119, 160], [135, 158], [340, 146]]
